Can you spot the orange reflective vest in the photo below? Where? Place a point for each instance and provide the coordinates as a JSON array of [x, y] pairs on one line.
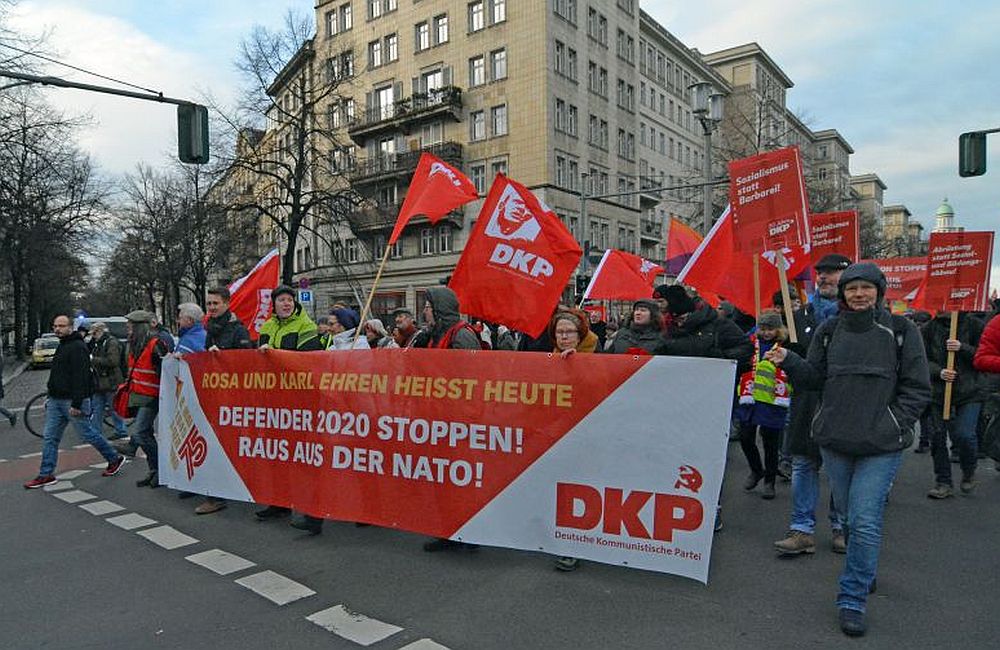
[[145, 379]]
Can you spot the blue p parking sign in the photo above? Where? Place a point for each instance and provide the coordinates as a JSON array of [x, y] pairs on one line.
[[305, 296]]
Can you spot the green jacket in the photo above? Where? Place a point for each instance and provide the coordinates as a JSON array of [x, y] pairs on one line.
[[297, 332]]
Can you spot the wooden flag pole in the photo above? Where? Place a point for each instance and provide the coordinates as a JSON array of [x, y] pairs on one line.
[[786, 297], [952, 334], [371, 295], [756, 285]]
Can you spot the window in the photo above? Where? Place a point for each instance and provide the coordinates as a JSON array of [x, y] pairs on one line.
[[423, 36], [621, 146], [571, 63], [347, 64], [560, 57], [426, 241], [477, 174], [574, 174], [477, 126], [561, 171], [498, 64], [441, 29], [560, 121], [498, 166], [346, 17], [375, 54], [432, 133], [571, 120], [630, 97], [477, 71], [392, 48], [499, 11], [499, 119], [477, 16], [332, 25], [565, 9], [385, 99], [374, 8], [353, 250], [444, 238]]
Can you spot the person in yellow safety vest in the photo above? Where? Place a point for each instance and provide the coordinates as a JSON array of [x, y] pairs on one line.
[[764, 398]]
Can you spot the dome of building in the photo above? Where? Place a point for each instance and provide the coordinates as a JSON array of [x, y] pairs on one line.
[[945, 209]]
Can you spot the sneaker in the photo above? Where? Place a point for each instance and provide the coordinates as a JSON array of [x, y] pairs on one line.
[[852, 622], [311, 525], [117, 436], [209, 507], [114, 466], [184, 494], [940, 491], [796, 543], [39, 481], [752, 480], [968, 483], [839, 543], [768, 492], [567, 564], [152, 480], [785, 471], [272, 512]]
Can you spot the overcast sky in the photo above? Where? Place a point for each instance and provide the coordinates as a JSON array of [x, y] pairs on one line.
[[899, 79]]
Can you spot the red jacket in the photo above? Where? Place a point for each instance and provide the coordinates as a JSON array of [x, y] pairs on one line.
[[987, 357]]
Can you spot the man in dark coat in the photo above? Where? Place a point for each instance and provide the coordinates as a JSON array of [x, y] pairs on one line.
[[698, 331], [106, 356]]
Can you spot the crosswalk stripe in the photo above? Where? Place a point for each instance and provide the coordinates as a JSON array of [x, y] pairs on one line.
[[275, 587], [220, 561], [74, 496], [167, 537], [130, 521], [101, 508], [424, 644], [72, 474], [58, 486], [33, 455], [352, 625]]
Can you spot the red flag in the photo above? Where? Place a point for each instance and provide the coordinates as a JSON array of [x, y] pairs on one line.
[[835, 232], [436, 189], [250, 296], [768, 198], [622, 276], [517, 261], [718, 268], [682, 241]]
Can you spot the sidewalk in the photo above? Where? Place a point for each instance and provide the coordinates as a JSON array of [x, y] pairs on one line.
[[12, 368]]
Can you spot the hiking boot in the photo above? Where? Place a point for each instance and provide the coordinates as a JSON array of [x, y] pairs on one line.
[[752, 481], [567, 564], [768, 491], [209, 507], [940, 491], [839, 543], [39, 481], [852, 622], [796, 543], [114, 466], [272, 512], [968, 483]]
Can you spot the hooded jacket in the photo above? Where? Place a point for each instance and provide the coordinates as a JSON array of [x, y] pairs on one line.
[[968, 387], [297, 332], [71, 376], [873, 388], [705, 334], [988, 353], [227, 332], [444, 304], [191, 339], [648, 337]]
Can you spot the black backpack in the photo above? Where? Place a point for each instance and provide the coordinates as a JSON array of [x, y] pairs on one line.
[[899, 324]]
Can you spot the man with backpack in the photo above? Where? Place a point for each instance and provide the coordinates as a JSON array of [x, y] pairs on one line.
[[872, 372]]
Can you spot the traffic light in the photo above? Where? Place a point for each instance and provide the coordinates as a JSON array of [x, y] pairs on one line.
[[581, 284], [972, 153], [192, 134]]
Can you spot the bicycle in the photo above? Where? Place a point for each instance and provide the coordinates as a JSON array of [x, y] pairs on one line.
[[34, 415]]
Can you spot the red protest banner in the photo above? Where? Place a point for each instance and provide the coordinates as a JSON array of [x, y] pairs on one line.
[[835, 232], [903, 276], [520, 250], [250, 296], [436, 189], [497, 448], [958, 271], [768, 198], [622, 276]]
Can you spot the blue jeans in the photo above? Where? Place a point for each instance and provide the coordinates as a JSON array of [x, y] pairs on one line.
[[57, 416], [962, 429], [860, 486], [143, 435], [805, 496], [102, 403]]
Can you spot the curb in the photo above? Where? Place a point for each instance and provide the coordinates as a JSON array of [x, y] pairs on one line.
[[15, 373]]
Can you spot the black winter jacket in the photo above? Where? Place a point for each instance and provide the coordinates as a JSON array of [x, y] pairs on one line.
[[227, 332], [969, 387], [71, 377], [870, 398], [705, 334], [805, 402]]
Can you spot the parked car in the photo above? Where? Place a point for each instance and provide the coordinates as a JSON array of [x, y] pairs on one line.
[[43, 349]]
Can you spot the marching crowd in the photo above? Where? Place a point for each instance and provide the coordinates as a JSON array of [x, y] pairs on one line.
[[847, 396]]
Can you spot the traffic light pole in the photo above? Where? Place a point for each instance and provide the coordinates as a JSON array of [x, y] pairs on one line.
[[192, 118]]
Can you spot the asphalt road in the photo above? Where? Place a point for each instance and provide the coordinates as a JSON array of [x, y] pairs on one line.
[[73, 580]]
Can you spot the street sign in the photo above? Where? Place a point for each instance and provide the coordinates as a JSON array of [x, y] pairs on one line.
[[305, 296]]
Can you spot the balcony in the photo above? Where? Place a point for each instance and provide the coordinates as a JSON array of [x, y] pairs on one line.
[[392, 166], [651, 230], [402, 115], [381, 218]]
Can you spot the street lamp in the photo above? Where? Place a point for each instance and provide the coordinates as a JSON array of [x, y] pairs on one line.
[[707, 107]]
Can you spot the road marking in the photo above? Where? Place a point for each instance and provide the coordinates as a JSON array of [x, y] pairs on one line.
[[424, 644], [98, 466], [82, 446], [167, 537], [75, 496], [353, 626], [275, 587], [34, 455], [101, 508], [3, 460], [58, 486], [72, 474], [131, 521], [220, 561]]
